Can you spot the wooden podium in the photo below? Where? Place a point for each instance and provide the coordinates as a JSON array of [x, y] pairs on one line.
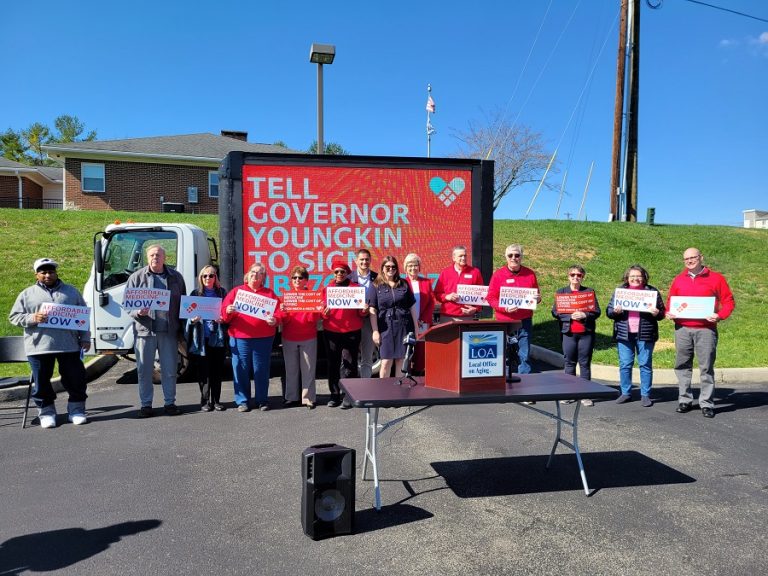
[[458, 355]]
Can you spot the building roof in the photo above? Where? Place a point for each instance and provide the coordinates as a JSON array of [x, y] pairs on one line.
[[203, 148], [41, 174]]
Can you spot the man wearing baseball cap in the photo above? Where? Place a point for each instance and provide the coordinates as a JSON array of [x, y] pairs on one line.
[[45, 346]]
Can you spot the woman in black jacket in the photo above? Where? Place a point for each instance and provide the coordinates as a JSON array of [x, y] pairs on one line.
[[577, 328], [636, 332], [206, 340]]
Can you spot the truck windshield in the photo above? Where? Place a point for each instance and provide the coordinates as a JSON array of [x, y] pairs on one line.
[[126, 252]]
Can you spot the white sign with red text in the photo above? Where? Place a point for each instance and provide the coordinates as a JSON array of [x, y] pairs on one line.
[[254, 305], [207, 308], [345, 297], [472, 295], [65, 316], [523, 298], [147, 299], [635, 300]]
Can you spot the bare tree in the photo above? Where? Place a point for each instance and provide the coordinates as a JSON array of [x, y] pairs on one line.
[[518, 152]]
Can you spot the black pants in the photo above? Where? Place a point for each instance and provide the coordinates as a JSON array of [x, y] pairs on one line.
[[578, 348], [72, 372], [341, 351], [209, 373]]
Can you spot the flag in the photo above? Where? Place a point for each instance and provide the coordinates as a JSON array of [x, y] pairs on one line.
[[430, 104], [430, 129]]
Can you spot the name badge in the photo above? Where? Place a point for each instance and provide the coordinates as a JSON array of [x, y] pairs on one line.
[[467, 275]]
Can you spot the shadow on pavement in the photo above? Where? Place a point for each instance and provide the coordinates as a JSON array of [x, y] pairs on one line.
[[527, 475], [393, 515], [57, 549]]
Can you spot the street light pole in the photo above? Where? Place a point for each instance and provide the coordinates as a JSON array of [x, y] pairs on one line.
[[320, 146], [321, 54]]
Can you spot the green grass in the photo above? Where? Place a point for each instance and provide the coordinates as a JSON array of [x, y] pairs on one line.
[[604, 249]]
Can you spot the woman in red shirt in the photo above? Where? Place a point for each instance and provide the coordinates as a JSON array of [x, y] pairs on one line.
[[299, 347], [250, 338]]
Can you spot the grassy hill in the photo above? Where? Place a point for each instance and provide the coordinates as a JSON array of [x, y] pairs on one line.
[[604, 249]]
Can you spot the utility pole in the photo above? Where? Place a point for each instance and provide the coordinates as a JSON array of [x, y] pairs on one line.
[[623, 193], [630, 169], [618, 111]]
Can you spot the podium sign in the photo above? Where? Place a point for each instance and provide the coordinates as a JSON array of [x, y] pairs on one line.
[[466, 356], [482, 354]]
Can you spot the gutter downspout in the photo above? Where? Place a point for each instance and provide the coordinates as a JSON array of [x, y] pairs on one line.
[[21, 190]]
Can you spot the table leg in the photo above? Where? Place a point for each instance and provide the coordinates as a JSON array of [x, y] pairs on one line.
[[574, 424], [371, 425]]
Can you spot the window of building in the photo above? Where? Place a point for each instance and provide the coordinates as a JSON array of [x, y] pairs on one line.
[[92, 176], [213, 184]]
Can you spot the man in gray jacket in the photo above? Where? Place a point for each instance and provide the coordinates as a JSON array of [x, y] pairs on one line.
[[157, 331], [44, 346]]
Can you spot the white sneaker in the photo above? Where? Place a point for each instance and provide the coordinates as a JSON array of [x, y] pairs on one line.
[[48, 421], [78, 419]]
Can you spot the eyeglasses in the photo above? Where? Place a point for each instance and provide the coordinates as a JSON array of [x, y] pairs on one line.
[[576, 275], [514, 255], [635, 277], [691, 258], [208, 275], [389, 267], [298, 278], [339, 272]]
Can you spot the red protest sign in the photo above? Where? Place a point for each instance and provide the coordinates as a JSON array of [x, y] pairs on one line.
[[575, 302], [303, 301]]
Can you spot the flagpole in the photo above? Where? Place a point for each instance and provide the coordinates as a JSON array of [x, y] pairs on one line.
[[429, 125]]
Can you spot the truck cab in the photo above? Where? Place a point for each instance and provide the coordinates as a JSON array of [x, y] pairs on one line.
[[119, 251]]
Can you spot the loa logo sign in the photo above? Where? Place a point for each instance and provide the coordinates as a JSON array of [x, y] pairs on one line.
[[483, 347], [447, 192]]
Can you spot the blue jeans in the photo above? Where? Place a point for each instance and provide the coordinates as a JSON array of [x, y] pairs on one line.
[[167, 348], [524, 345], [250, 357], [627, 351]]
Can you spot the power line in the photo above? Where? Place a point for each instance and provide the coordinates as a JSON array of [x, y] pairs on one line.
[[657, 4]]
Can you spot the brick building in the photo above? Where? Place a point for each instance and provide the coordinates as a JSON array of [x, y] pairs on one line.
[[23, 186], [178, 173]]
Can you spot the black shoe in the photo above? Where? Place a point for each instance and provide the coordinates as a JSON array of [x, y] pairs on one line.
[[219, 407], [346, 405], [171, 410], [683, 408], [264, 407], [206, 408], [145, 412], [707, 412], [290, 403], [332, 403]]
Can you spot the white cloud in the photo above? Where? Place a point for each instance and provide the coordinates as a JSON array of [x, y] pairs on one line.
[[763, 38]]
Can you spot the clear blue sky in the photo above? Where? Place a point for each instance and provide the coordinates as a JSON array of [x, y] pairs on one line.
[[136, 69]]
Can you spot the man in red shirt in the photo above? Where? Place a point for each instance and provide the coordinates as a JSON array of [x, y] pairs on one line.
[[515, 275], [445, 290], [698, 335]]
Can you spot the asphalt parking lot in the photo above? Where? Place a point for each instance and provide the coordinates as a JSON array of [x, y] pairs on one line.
[[464, 490]]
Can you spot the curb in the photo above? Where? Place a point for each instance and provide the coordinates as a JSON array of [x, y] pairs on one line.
[[93, 369], [661, 376]]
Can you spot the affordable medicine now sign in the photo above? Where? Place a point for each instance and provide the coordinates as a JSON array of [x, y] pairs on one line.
[[307, 216]]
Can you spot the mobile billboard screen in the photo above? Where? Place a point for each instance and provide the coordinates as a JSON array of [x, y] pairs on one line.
[[309, 215]]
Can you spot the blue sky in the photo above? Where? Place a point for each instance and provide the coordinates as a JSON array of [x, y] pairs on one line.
[[136, 69]]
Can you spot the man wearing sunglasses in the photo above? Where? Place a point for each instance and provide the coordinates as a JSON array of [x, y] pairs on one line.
[[44, 346], [515, 275]]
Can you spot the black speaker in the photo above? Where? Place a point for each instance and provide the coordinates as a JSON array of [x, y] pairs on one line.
[[328, 491]]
